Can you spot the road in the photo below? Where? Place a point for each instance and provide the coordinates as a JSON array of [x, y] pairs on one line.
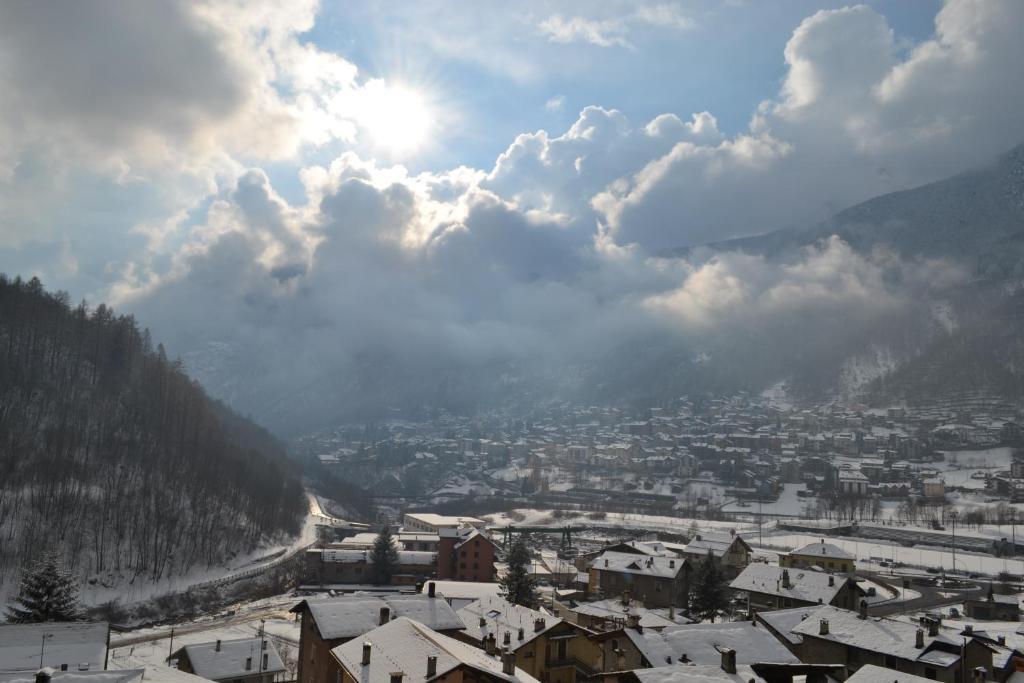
[[211, 625], [931, 596]]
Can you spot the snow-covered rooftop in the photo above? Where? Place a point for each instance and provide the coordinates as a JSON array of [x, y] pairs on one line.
[[219, 660], [869, 673], [888, 636], [630, 563], [500, 616], [403, 645], [73, 644], [702, 644], [804, 584], [824, 550], [704, 673], [352, 616]]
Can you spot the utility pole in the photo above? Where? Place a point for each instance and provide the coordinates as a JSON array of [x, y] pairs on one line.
[[953, 517], [42, 647], [170, 646]]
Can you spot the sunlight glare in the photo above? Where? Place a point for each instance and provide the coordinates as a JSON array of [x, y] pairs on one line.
[[396, 117]]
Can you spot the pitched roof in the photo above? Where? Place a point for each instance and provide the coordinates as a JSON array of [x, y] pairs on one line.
[[703, 673], [783, 621], [805, 584], [869, 673], [702, 644], [646, 565], [500, 617], [877, 634], [72, 676], [231, 659], [403, 645], [72, 643], [824, 550], [717, 543], [352, 616], [614, 609]]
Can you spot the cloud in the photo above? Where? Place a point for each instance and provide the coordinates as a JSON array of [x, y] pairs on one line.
[[613, 31], [372, 285], [848, 104], [175, 82], [556, 103], [599, 32]]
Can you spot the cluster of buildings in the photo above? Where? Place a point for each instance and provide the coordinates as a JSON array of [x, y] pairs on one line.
[[694, 456], [622, 618]]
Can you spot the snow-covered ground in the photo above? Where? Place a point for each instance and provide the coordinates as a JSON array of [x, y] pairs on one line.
[[141, 589], [918, 556], [789, 504], [150, 646]]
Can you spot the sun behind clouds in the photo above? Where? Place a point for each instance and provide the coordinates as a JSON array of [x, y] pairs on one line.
[[397, 118]]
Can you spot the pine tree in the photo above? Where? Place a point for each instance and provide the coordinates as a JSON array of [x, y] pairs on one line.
[[47, 593], [708, 595], [517, 586], [383, 557]]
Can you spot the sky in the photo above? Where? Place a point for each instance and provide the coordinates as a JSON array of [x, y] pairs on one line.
[[460, 183]]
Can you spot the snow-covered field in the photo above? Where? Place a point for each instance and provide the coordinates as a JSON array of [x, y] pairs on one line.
[[919, 556]]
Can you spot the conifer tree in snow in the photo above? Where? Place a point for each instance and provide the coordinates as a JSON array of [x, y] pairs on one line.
[[47, 593], [383, 557], [707, 596], [518, 586]]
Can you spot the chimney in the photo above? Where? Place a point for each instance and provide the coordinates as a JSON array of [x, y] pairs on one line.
[[831, 580], [1001, 640], [933, 627], [633, 621], [266, 662], [606, 561], [671, 564], [522, 633], [43, 675], [248, 663], [698, 537], [385, 615], [823, 627], [968, 629], [508, 663], [538, 625], [863, 609], [785, 579], [397, 676], [919, 639], [728, 660], [431, 590], [431, 663], [490, 644], [507, 640], [671, 612], [483, 621], [216, 648], [263, 645], [367, 647]]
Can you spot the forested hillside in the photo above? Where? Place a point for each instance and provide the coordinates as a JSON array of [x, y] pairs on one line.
[[110, 453]]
